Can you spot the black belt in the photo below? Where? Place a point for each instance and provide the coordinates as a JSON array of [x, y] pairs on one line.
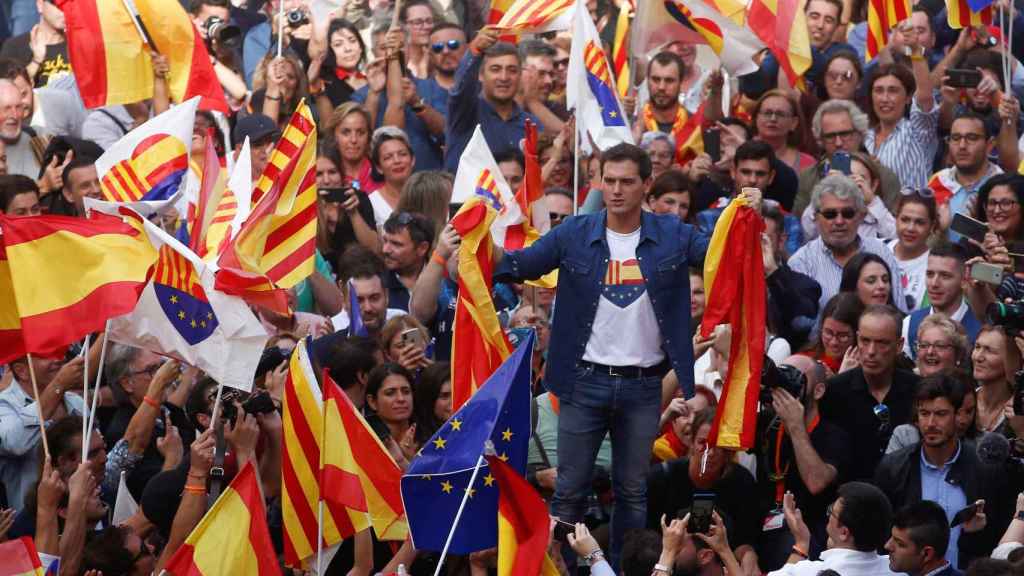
[[656, 371]]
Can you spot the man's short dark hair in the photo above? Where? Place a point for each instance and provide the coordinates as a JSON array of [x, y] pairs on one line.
[[947, 249], [501, 49], [12, 185], [968, 114], [196, 5], [420, 228], [511, 155], [11, 69], [446, 25], [940, 386], [357, 261], [884, 310], [198, 401], [628, 152], [105, 551], [926, 525], [666, 58], [866, 513], [558, 191], [671, 180], [76, 163], [754, 150], [349, 357], [641, 549], [733, 121], [535, 47], [837, 3]]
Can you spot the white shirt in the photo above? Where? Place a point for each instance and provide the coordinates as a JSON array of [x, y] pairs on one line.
[[912, 275], [625, 330], [381, 209], [844, 561]]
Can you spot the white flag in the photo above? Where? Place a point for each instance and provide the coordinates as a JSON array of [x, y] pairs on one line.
[[479, 175], [124, 506]]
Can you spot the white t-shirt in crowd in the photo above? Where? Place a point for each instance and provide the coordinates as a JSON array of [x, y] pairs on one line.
[[912, 275], [381, 209], [625, 331]]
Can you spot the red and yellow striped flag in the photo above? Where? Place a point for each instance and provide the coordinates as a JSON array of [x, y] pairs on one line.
[[959, 14], [690, 138], [69, 275], [782, 26], [536, 15], [620, 53], [358, 468], [20, 558], [11, 344], [734, 277], [215, 209], [668, 446], [523, 525], [530, 197], [478, 340], [883, 17], [232, 538], [304, 426], [275, 248]]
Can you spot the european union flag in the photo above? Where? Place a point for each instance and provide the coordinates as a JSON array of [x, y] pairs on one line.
[[600, 83], [436, 482], [355, 317]]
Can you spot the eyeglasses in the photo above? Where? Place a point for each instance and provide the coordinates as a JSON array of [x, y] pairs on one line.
[[831, 213], [970, 138], [775, 114], [837, 336], [844, 135], [420, 23], [937, 346], [840, 77], [451, 45], [1002, 204]]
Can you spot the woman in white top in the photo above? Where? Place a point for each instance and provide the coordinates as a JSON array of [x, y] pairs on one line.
[[917, 220], [393, 158]]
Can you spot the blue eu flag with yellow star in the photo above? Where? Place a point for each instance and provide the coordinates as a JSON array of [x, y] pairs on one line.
[[436, 481]]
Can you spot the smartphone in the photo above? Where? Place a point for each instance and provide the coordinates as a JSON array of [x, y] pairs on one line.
[[335, 194], [562, 530], [962, 78], [713, 143], [840, 162], [414, 337], [966, 226], [700, 513], [1018, 261], [988, 273], [963, 515]]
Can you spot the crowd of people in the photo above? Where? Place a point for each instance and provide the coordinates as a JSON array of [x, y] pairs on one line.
[[890, 424]]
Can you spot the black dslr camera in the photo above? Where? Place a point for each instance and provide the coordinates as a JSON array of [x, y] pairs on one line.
[[788, 378], [1010, 316], [225, 33], [296, 18], [256, 403]]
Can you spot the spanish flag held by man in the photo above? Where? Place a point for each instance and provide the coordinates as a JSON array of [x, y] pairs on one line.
[[69, 275]]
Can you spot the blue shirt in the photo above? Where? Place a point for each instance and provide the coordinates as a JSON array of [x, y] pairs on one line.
[[426, 146], [467, 108], [951, 497], [255, 46], [578, 249]]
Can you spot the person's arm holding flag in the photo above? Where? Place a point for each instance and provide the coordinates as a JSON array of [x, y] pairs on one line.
[[423, 303], [193, 500], [532, 262]]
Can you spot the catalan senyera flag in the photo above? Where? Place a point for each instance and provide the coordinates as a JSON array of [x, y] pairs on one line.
[[275, 247], [69, 275], [11, 344], [232, 538], [300, 466], [523, 524], [524, 16], [478, 337], [356, 464], [103, 39], [883, 17], [20, 558], [150, 162], [960, 15], [620, 53], [734, 43], [734, 279], [530, 198], [782, 26]]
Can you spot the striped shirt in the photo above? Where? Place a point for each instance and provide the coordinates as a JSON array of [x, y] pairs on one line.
[[815, 259], [910, 149]]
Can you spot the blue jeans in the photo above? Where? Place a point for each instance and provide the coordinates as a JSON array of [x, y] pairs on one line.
[[628, 408]]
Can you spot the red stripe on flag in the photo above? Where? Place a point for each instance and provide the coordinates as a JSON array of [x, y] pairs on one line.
[[292, 261], [57, 328], [87, 51]]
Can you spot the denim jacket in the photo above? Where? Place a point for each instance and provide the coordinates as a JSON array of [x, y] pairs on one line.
[[578, 248]]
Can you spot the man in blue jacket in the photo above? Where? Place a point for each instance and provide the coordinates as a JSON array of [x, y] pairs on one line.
[[622, 321]]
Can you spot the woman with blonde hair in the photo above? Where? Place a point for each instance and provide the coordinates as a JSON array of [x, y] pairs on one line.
[[428, 193], [941, 345], [350, 126], [996, 360], [404, 340], [278, 86]]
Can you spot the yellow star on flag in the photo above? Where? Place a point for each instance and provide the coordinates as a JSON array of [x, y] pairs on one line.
[[488, 480], [446, 487], [457, 424], [507, 435], [439, 443], [174, 299], [503, 457], [181, 315], [193, 323], [470, 491]]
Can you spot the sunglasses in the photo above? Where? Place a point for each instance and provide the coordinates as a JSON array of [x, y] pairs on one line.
[[451, 45], [831, 213], [925, 192]]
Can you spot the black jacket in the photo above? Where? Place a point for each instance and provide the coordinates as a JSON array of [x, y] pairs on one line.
[[899, 476]]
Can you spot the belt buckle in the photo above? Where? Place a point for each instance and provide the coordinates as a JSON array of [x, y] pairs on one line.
[[616, 371]]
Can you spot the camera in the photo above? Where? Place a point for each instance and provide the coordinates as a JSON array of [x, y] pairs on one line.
[[787, 378], [296, 18], [1008, 315], [271, 358], [225, 33], [257, 403]]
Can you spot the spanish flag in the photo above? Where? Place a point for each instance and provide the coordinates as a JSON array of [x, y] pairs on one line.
[[883, 16], [668, 446], [782, 26], [69, 275], [690, 138], [523, 524], [524, 16], [300, 467], [11, 344], [478, 340], [960, 15], [275, 247], [943, 185], [232, 538], [358, 470], [20, 558], [736, 294]]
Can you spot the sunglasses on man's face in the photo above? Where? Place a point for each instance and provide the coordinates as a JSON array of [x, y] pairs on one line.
[[451, 45], [832, 213]]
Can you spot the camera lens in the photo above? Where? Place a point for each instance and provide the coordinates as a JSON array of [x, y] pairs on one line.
[[296, 18]]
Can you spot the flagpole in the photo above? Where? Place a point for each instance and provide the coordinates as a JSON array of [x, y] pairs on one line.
[[216, 406], [280, 29], [320, 482], [458, 515], [39, 407], [320, 538], [99, 380], [85, 401]]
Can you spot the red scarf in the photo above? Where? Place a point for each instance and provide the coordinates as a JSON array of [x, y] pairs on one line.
[[344, 74]]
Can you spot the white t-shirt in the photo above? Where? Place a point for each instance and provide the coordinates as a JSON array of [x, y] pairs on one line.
[[381, 209], [912, 275], [625, 331]]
